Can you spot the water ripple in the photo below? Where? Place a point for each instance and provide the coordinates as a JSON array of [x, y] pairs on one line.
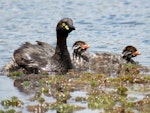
[[106, 26]]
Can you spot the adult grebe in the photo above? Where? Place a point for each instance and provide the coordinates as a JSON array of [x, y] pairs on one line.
[[43, 57]]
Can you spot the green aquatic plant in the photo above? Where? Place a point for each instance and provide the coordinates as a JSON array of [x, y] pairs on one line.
[[122, 90], [58, 106], [147, 77], [26, 83], [8, 111], [39, 108], [80, 99], [127, 78], [67, 108], [130, 104], [97, 100], [44, 90], [143, 105], [94, 83], [44, 72], [131, 69], [62, 96], [103, 91], [41, 100], [13, 102], [15, 74]]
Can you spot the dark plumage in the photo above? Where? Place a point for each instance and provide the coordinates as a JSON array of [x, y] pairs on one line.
[[79, 48], [42, 56], [103, 61], [80, 57], [129, 52]]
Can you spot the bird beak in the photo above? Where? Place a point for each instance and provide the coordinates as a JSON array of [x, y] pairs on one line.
[[136, 53], [71, 27], [85, 46]]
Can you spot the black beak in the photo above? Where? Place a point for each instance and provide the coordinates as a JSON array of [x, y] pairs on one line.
[[71, 27]]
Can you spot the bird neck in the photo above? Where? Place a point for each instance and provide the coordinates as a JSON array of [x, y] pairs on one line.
[[129, 59], [61, 42], [61, 53]]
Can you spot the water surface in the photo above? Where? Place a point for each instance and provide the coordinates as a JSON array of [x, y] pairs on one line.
[[105, 25]]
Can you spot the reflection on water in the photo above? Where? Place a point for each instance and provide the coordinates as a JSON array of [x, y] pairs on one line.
[[7, 90], [106, 26]]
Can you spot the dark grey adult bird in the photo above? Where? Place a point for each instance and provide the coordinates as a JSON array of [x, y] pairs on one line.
[[34, 58]]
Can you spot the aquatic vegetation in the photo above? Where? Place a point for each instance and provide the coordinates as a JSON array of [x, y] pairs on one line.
[[67, 108], [143, 105], [13, 102], [15, 74], [62, 96], [122, 91], [9, 111], [94, 83], [131, 69], [100, 100], [110, 93], [44, 90], [147, 77], [36, 96], [58, 106], [26, 83], [39, 108], [80, 99]]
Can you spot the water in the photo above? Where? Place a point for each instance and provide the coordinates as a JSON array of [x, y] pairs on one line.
[[105, 25]]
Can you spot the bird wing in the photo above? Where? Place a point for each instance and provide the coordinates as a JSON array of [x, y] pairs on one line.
[[31, 55]]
